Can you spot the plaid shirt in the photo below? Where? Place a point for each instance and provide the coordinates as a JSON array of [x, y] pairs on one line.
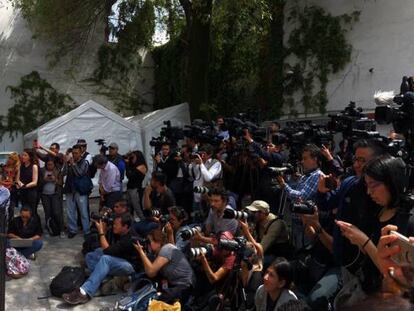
[[306, 188]]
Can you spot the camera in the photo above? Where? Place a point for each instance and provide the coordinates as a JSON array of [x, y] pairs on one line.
[[197, 251], [152, 213], [144, 242], [330, 183], [105, 215], [189, 233], [306, 208], [230, 213], [232, 245], [201, 190], [280, 171], [101, 142]]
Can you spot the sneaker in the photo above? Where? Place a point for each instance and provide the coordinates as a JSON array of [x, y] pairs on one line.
[[75, 297], [32, 257], [71, 235], [62, 235]]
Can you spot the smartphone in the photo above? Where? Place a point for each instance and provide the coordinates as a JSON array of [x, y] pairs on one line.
[[406, 255]]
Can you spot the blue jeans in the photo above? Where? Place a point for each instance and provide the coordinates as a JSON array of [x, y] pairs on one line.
[[27, 251], [73, 199], [103, 265]]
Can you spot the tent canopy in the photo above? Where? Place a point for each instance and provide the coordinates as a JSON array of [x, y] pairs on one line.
[[89, 121], [152, 122]]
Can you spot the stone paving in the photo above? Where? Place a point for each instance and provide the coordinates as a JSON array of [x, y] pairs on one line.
[[26, 293]]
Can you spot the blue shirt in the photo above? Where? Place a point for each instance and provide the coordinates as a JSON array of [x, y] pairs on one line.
[[306, 188]]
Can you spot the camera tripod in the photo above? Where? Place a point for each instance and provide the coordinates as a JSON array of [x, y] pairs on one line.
[[233, 292]]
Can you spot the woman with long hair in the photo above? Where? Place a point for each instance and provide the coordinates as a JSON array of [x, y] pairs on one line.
[[135, 170], [170, 265], [11, 173], [28, 178], [387, 183]]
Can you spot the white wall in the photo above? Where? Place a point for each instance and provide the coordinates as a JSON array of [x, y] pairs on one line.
[[382, 39], [20, 54]]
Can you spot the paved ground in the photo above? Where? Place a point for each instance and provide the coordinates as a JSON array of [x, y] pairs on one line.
[[24, 294]]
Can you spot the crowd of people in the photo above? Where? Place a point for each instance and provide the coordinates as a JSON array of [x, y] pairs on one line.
[[222, 226]]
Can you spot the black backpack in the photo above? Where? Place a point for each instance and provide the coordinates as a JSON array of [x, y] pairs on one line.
[[68, 279]]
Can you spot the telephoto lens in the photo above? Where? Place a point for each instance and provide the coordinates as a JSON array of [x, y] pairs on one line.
[[189, 233], [230, 213], [201, 190], [155, 213], [197, 251]]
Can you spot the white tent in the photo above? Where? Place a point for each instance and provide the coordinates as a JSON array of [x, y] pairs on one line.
[[89, 121], [152, 122]]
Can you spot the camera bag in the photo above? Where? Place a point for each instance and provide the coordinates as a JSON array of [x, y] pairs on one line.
[[68, 279]]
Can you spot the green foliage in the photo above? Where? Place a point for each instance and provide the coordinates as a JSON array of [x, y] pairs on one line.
[[238, 28], [66, 23], [118, 63], [36, 102], [319, 44]]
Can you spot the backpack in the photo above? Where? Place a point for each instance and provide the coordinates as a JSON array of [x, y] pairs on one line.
[[83, 184], [68, 279], [52, 227], [138, 300], [16, 264]]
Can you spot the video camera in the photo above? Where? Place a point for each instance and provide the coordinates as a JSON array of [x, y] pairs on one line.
[[101, 142]]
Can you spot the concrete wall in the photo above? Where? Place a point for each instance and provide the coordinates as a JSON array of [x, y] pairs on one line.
[[382, 39], [20, 54]]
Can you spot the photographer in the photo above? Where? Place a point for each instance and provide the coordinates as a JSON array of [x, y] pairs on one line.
[[117, 259], [157, 195], [109, 181], [166, 163], [170, 265], [270, 231], [205, 171], [271, 155], [182, 184], [307, 186], [176, 226], [217, 268], [330, 164], [215, 223], [107, 215]]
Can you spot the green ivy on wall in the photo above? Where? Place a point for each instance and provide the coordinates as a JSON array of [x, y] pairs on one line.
[[36, 102], [319, 48]]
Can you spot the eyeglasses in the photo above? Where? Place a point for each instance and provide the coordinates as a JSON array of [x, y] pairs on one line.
[[360, 160]]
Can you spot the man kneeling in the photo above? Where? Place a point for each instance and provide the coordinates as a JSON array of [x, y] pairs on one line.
[[115, 260]]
